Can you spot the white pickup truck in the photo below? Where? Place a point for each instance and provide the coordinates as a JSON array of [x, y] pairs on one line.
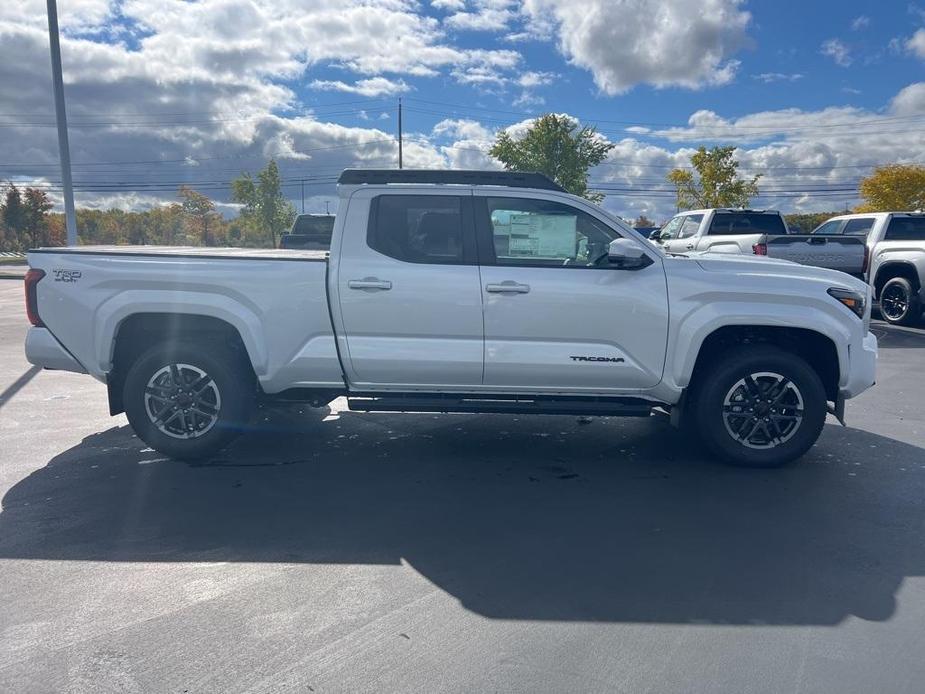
[[894, 262], [760, 232], [455, 291]]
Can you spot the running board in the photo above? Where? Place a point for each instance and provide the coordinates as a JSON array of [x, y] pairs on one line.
[[502, 404]]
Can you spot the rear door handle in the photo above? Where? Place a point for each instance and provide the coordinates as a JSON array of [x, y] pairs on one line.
[[507, 287], [370, 283], [690, 246]]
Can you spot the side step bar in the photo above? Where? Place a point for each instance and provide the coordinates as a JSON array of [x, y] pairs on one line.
[[510, 404]]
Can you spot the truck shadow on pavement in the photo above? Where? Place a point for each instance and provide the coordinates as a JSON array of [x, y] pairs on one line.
[[547, 518]]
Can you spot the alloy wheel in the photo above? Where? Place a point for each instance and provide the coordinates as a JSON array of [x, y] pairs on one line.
[[182, 401], [763, 410]]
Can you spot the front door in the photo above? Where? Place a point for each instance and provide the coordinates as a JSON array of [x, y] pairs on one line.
[[558, 317], [409, 293], [684, 237]]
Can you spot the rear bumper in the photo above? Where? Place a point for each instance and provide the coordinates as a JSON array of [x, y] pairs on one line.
[[862, 370], [42, 349]]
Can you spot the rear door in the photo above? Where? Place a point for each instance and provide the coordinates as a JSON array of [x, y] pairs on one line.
[[903, 242], [558, 317], [408, 291]]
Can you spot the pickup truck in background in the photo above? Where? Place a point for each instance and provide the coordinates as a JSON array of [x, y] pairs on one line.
[[760, 232], [458, 291], [895, 258], [720, 230], [309, 232]]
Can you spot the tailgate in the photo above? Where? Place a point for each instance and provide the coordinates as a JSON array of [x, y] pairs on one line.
[[844, 253]]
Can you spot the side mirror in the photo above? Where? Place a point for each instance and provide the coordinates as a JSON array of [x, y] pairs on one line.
[[656, 235], [626, 255]]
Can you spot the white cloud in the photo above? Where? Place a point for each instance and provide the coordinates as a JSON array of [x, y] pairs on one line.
[[448, 5], [916, 44], [372, 87], [532, 79], [527, 99], [686, 43], [837, 51], [768, 77], [860, 22], [910, 101], [486, 15]]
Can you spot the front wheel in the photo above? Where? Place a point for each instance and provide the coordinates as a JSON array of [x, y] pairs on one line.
[[188, 399], [759, 406], [898, 303]]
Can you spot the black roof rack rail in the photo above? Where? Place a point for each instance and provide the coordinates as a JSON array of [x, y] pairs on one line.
[[510, 179]]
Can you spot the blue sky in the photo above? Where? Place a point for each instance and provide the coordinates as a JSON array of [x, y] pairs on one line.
[[163, 92]]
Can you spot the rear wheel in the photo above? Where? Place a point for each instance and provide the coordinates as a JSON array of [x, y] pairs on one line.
[[189, 399], [759, 406], [898, 302]]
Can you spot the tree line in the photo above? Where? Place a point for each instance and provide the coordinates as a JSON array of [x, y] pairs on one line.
[[26, 220]]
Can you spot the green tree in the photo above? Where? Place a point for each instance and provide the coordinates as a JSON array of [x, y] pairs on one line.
[[717, 183], [35, 216], [165, 224], [200, 211], [556, 146], [893, 188], [14, 218], [806, 222], [263, 201]]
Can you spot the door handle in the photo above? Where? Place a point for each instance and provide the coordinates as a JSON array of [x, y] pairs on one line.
[[690, 246], [369, 283], [507, 287]]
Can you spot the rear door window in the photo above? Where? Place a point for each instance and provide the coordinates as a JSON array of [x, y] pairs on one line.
[[859, 227], [829, 228], [905, 229], [423, 228], [742, 223]]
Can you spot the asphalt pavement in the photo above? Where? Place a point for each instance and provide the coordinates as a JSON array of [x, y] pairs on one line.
[[330, 551]]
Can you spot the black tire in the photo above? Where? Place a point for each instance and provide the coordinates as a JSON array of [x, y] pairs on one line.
[[724, 387], [899, 304], [217, 414]]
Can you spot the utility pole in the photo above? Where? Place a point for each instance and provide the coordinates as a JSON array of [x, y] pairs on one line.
[[302, 186], [64, 152], [399, 131]]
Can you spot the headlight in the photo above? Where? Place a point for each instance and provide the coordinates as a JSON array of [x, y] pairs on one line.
[[852, 299]]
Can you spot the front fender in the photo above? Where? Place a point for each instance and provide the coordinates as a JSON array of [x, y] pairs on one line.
[[709, 313]]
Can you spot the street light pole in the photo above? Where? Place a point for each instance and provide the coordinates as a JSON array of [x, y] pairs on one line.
[[399, 134], [64, 152]]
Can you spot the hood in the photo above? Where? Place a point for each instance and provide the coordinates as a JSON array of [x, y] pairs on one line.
[[762, 265]]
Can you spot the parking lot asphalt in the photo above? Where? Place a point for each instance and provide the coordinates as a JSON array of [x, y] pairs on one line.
[[331, 551]]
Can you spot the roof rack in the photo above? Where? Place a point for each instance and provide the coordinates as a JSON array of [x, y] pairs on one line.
[[510, 179]]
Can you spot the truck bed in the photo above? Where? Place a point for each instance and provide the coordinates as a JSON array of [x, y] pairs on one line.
[[279, 308], [194, 252], [844, 253]]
